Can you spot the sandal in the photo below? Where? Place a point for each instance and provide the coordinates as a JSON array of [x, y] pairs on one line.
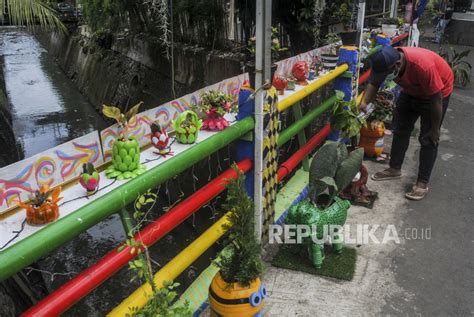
[[385, 175], [417, 193]]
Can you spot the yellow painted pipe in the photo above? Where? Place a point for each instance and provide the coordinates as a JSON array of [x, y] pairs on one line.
[[174, 268], [308, 90]]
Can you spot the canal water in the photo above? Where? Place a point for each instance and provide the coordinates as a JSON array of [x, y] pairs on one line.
[[48, 110]]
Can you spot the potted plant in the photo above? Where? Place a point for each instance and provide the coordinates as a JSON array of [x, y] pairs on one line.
[[42, 208], [89, 178], [215, 104], [346, 117], [332, 169], [236, 290], [460, 67], [187, 126], [125, 150], [344, 15], [329, 61], [373, 134], [389, 26]]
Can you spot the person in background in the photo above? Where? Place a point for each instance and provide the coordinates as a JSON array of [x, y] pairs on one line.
[[445, 12], [427, 81]]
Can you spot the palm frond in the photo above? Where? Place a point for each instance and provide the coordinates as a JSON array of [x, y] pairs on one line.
[[30, 13]]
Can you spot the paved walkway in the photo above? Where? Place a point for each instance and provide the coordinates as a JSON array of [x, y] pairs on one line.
[[418, 276]]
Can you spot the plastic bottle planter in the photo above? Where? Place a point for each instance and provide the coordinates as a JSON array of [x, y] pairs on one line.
[[187, 126], [280, 83], [306, 213], [214, 121], [89, 178], [231, 300], [125, 160], [42, 209], [159, 139], [372, 139], [300, 71]]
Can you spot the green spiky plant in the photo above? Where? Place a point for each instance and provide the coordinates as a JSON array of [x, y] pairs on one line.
[[240, 261], [461, 68], [126, 150]]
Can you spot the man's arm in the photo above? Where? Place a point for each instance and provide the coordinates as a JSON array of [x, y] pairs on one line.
[[436, 115], [369, 94]]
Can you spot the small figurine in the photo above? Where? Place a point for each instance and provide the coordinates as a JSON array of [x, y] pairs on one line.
[[280, 83], [300, 70], [89, 178], [357, 191], [160, 139], [311, 74]]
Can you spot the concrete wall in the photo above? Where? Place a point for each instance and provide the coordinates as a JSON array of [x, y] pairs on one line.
[[135, 69]]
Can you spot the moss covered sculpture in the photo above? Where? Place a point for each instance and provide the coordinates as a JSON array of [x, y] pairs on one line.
[[126, 150], [332, 169]]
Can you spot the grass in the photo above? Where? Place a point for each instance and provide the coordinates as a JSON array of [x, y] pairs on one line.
[[340, 266]]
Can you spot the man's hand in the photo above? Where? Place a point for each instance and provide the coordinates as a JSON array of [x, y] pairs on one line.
[[433, 135]]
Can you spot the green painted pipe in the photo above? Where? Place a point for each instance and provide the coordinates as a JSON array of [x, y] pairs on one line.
[[56, 234], [306, 120], [374, 50]]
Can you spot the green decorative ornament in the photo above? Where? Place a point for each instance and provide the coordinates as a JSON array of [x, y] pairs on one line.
[[187, 126], [125, 160]]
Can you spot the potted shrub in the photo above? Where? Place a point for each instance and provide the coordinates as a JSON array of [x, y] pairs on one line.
[[344, 15], [329, 61], [89, 178], [236, 290], [389, 26], [460, 67], [332, 169], [125, 150], [346, 117], [186, 127], [373, 134], [215, 104], [42, 208]]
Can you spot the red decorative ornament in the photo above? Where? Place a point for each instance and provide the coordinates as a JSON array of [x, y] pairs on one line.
[[160, 140], [214, 121], [280, 83], [300, 71]]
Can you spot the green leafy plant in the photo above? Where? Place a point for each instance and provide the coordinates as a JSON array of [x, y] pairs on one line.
[[102, 38], [400, 21], [162, 301], [216, 101], [276, 47], [240, 261], [345, 117], [332, 38], [121, 118], [344, 15], [461, 68], [383, 109]]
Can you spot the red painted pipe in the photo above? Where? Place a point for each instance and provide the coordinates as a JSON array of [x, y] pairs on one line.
[[290, 164], [399, 38], [74, 290], [363, 78]]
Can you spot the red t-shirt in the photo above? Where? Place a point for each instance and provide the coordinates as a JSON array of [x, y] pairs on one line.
[[426, 73]]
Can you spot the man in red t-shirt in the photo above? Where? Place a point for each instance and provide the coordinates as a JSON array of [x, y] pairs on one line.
[[427, 82]]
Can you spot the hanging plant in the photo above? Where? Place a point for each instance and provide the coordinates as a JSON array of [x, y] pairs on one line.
[[187, 126], [125, 150], [215, 104], [42, 208]]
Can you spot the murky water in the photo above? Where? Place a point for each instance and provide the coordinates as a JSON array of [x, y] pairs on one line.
[[47, 108]]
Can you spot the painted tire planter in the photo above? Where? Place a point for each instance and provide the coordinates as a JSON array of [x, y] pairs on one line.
[[329, 61], [235, 300], [372, 139], [125, 160]]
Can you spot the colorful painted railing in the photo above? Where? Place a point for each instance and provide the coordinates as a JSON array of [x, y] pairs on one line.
[[84, 283]]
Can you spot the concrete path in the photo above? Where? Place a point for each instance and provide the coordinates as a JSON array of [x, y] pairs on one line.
[[421, 275]]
